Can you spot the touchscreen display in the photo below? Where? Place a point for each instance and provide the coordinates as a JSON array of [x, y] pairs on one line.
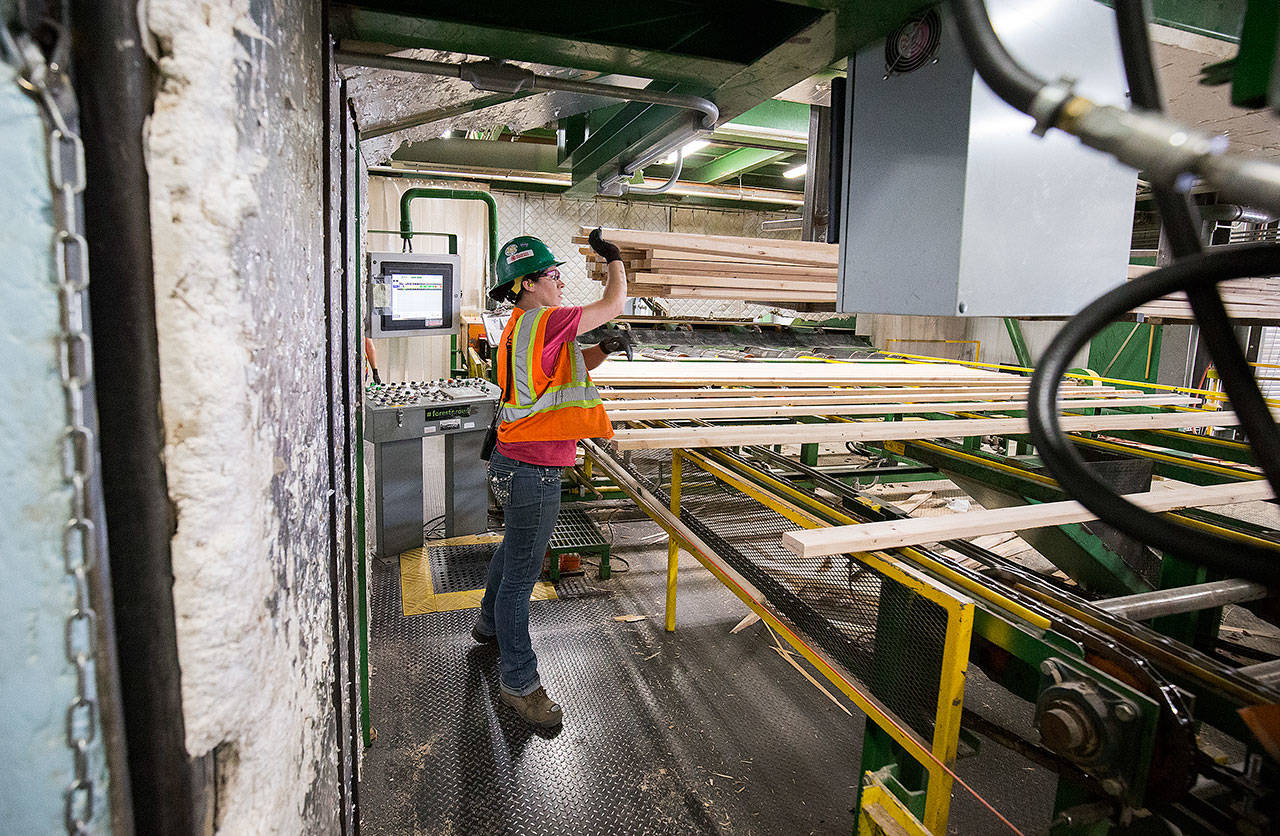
[[418, 297]]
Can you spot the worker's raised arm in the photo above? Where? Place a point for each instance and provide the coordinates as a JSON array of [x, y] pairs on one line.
[[614, 299]]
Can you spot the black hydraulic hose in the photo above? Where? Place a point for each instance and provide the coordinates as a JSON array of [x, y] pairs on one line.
[[1182, 225], [1020, 89], [835, 174], [1135, 49], [1232, 558], [1005, 76], [1176, 210]]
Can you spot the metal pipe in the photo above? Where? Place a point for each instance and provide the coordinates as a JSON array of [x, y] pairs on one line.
[[628, 188], [1268, 673], [439, 113], [746, 194], [1201, 596], [671, 143], [401, 65], [835, 171], [167, 790], [781, 224], [502, 77], [1233, 212], [410, 195]]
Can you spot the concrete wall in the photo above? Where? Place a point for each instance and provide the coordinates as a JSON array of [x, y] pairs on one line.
[[38, 683], [236, 162], [997, 347], [984, 336]]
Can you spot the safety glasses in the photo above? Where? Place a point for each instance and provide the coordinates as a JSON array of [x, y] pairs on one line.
[[549, 273]]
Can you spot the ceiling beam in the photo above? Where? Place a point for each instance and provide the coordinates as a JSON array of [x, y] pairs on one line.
[[436, 114], [479, 153], [734, 163], [349, 21]]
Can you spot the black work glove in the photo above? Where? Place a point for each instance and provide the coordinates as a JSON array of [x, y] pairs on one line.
[[603, 248], [621, 341]]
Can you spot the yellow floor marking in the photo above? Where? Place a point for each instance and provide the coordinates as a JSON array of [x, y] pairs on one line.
[[468, 540], [419, 596], [416, 591]]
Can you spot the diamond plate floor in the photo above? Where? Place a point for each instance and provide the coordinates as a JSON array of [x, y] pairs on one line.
[[696, 732]]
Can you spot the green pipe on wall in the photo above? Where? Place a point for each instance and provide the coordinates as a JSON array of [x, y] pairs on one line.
[[410, 195]]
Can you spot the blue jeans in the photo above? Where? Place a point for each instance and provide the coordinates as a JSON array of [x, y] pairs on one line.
[[530, 498]]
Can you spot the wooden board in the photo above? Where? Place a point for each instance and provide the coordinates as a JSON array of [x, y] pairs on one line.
[[729, 280], [714, 268], [773, 373], [765, 249], [636, 411], [818, 288], [1005, 400], [912, 532], [694, 437], [1248, 299], [859, 394]]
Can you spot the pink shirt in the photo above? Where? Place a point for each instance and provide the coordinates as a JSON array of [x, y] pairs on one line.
[[562, 328]]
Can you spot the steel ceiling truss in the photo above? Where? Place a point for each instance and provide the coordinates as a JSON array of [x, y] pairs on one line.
[[737, 54]]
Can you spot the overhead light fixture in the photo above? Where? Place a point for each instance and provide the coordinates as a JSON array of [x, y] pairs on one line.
[[798, 171], [690, 148], [757, 130]]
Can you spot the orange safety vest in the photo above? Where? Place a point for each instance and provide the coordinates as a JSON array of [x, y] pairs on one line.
[[537, 407]]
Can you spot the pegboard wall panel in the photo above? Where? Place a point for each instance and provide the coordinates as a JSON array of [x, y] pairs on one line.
[[556, 220]]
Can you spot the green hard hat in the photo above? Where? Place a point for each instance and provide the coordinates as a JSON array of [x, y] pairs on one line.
[[519, 257]]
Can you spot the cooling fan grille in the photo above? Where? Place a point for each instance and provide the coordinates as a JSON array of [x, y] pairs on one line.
[[913, 44]]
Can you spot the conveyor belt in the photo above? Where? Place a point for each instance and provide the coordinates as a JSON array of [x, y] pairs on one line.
[[828, 615], [860, 617]]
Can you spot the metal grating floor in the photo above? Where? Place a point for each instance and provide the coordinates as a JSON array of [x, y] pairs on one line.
[[575, 530], [694, 732], [459, 568]]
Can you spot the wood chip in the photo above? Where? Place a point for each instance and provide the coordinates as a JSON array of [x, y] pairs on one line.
[[630, 618], [751, 618]]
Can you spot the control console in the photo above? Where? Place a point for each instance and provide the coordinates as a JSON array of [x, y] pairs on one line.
[[398, 417]]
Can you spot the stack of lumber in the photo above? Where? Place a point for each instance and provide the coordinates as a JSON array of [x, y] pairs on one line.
[[1249, 300], [653, 438], [701, 372], [683, 266], [719, 409]]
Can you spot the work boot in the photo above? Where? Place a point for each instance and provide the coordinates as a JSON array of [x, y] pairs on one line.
[[483, 638], [536, 708]]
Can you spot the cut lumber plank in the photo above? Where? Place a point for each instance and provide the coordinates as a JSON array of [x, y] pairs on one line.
[[635, 411], [820, 288], [897, 533], [773, 373], [712, 268], [592, 257], [732, 436], [768, 249], [776, 294], [937, 403], [640, 267], [641, 284], [860, 394]]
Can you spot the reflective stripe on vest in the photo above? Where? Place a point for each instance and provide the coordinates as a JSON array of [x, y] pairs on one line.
[[520, 350], [524, 353]]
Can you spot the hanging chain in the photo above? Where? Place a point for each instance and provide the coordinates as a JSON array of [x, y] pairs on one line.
[[65, 154]]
